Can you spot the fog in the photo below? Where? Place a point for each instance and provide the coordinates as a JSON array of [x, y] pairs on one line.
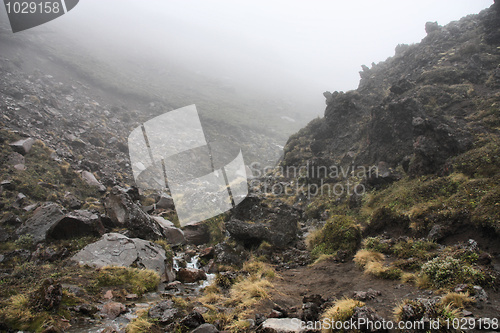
[[290, 48]]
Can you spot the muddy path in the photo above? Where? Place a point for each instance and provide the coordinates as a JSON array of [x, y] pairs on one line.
[[336, 280]]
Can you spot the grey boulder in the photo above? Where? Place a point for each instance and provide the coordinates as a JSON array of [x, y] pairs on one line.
[[173, 235], [50, 222], [43, 219], [115, 249]]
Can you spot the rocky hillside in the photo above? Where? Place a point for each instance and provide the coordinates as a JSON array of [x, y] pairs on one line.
[[428, 117], [417, 110]]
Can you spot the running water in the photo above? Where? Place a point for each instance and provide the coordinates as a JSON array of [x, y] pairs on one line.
[[146, 301]]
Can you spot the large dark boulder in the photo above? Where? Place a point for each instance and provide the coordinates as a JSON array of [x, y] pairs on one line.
[[44, 218], [254, 222], [191, 275], [125, 213], [50, 222], [75, 224]]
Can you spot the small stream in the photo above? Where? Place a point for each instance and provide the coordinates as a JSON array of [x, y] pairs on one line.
[[88, 325]]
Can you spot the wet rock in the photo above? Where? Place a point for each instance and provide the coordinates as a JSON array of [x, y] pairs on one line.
[[280, 325], [112, 310], [191, 275], [40, 224], [23, 146], [197, 233], [90, 179], [118, 250], [192, 320], [174, 236], [205, 328], [48, 296], [124, 213], [164, 312], [210, 267], [207, 253], [76, 224]]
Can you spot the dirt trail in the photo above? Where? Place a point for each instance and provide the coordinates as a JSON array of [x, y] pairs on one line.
[[331, 279]]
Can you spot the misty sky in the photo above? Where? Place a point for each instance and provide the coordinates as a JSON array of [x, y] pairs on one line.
[[311, 46]]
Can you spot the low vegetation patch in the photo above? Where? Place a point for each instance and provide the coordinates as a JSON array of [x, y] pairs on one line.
[[341, 311], [446, 272], [134, 280], [234, 297], [339, 233], [363, 257], [459, 300], [141, 324]]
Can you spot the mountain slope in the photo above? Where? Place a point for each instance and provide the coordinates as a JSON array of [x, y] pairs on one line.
[[429, 102]]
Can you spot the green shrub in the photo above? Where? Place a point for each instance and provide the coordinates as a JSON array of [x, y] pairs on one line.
[[339, 233], [447, 271]]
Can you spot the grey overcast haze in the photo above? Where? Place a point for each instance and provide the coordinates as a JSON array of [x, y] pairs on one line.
[[300, 47]]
